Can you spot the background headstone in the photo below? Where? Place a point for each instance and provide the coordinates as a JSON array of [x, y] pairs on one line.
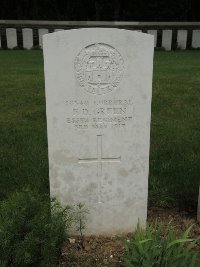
[[167, 39], [27, 38], [41, 33], [196, 38], [98, 99], [11, 36], [182, 39], [154, 33]]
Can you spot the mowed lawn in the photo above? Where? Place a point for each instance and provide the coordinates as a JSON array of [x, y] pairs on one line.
[[175, 128]]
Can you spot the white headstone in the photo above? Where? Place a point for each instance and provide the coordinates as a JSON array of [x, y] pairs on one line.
[[98, 100], [41, 33], [11, 36], [27, 38], [196, 39], [167, 39], [154, 33], [182, 39]]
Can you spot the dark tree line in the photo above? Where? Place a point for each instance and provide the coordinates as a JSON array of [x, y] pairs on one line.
[[127, 10]]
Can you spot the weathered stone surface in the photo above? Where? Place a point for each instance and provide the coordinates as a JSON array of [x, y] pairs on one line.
[[98, 100], [27, 38], [11, 36]]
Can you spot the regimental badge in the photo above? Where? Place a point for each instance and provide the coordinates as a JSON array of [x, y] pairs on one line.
[[99, 68]]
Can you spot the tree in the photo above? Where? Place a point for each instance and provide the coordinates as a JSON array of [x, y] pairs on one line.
[[107, 10]]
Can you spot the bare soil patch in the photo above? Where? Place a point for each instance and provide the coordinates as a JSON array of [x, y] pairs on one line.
[[103, 251]]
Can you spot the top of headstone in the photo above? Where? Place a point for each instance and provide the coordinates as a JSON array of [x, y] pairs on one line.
[[95, 30]]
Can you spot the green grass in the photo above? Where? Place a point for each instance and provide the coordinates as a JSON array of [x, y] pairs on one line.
[[175, 128], [23, 134], [175, 131]]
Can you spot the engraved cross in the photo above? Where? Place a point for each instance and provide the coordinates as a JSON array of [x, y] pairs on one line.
[[99, 159]]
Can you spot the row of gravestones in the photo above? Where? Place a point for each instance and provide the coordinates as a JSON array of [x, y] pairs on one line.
[[182, 35]]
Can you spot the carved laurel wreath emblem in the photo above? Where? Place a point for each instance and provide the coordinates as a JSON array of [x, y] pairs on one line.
[[99, 68]]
